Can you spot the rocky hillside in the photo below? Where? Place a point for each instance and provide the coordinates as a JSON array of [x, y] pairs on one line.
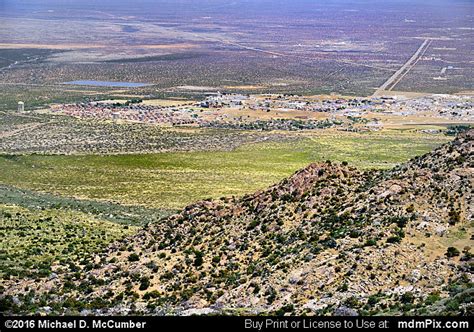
[[329, 240]]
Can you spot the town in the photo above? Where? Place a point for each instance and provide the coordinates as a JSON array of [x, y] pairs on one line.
[[280, 112]]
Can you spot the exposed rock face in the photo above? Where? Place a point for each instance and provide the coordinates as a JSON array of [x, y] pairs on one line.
[[345, 311], [328, 240]]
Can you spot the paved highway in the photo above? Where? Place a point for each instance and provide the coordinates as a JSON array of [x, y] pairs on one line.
[[405, 69]]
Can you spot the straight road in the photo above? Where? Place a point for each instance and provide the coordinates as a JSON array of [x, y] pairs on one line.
[[405, 69]]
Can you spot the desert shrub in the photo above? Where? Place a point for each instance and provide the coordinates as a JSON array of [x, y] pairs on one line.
[[133, 257], [216, 259], [198, 260], [410, 208], [371, 242], [354, 233], [452, 305], [285, 309], [432, 298], [6, 303], [454, 217], [144, 283], [253, 224], [344, 287], [271, 295], [373, 300], [452, 252], [401, 221], [407, 298]]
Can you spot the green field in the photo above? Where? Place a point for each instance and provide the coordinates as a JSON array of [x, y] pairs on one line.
[[173, 180]]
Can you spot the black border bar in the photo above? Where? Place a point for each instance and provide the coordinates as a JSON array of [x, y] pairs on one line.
[[232, 323]]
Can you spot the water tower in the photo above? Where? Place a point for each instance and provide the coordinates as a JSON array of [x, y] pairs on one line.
[[21, 106]]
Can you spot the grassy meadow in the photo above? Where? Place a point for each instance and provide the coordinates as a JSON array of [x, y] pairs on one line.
[[173, 180]]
